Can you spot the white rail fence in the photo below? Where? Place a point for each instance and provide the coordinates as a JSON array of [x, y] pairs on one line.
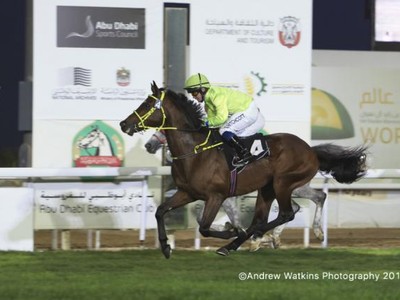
[[20, 205], [70, 198], [374, 180]]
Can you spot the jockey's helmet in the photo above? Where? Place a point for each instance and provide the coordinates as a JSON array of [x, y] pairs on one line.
[[196, 82]]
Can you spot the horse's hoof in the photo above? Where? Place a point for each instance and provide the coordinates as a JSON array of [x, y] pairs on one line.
[[228, 226], [276, 243], [255, 244], [267, 239], [167, 251], [223, 251], [319, 234]]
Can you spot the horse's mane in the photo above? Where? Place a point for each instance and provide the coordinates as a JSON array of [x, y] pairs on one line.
[[192, 110]]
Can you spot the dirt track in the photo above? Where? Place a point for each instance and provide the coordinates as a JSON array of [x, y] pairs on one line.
[[371, 237]]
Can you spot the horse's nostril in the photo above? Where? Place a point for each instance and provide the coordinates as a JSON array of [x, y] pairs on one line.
[[122, 123], [147, 146]]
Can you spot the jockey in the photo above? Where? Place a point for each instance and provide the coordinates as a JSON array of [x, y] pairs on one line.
[[233, 112]]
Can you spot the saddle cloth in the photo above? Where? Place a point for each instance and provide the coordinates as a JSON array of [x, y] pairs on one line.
[[257, 145]]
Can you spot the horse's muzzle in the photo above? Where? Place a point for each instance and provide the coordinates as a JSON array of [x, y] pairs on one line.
[[150, 148], [130, 130]]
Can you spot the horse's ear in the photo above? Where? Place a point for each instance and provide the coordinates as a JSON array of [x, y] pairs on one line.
[[154, 88]]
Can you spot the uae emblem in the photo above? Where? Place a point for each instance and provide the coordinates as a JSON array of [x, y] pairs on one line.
[[123, 77], [98, 145], [289, 31]]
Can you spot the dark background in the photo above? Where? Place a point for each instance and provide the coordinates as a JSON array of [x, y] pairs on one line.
[[337, 25]]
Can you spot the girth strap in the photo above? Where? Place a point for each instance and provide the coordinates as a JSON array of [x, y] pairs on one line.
[[233, 182]]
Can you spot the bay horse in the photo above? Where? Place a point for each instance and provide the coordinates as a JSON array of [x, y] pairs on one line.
[[201, 172], [158, 140]]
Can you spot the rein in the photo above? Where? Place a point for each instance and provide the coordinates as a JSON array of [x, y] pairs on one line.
[[198, 148], [158, 105]]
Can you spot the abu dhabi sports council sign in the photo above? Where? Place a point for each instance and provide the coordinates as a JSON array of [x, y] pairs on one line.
[[73, 80], [89, 59], [100, 27]]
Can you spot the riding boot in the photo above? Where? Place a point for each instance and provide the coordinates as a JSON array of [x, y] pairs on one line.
[[241, 150]]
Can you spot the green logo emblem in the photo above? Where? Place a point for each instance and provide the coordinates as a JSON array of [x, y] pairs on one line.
[[330, 119], [98, 144]]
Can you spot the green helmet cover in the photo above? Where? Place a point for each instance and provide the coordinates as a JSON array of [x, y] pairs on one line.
[[196, 82]]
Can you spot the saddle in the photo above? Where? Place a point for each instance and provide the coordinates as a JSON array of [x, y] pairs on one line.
[[258, 148]]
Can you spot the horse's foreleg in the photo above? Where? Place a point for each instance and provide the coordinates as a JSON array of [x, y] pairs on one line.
[[179, 199]]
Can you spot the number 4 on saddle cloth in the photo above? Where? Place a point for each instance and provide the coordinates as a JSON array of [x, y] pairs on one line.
[[256, 144], [258, 147]]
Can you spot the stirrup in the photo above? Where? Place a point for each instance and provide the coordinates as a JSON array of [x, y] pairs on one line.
[[240, 162]]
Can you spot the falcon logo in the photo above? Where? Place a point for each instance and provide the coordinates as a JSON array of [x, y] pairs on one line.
[[88, 33]]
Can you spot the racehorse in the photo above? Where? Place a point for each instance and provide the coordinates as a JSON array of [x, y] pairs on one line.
[[96, 139], [158, 140], [200, 170]]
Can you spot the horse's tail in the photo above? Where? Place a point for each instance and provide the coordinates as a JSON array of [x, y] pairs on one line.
[[345, 164]]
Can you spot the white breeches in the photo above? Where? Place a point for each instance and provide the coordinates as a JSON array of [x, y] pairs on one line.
[[245, 123]]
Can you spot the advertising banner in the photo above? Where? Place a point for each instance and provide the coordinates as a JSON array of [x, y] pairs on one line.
[[95, 143], [92, 57], [354, 106], [92, 206], [364, 208], [260, 47]]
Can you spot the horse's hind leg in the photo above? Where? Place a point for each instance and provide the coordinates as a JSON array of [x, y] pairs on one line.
[[261, 214], [318, 197], [273, 239], [286, 214], [319, 200], [305, 191], [263, 204]]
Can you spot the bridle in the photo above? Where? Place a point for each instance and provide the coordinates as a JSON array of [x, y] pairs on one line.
[[158, 106]]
